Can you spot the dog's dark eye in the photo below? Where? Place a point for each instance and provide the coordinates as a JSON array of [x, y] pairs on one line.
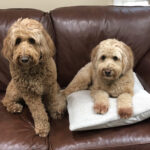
[[18, 41], [115, 58], [31, 41], [103, 57]]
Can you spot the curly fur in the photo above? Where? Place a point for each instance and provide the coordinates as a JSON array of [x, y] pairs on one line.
[[27, 38], [110, 73]]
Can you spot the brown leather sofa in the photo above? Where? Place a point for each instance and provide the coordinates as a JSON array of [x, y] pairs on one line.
[[75, 31]]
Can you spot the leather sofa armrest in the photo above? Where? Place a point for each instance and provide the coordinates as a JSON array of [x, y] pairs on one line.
[[143, 71]]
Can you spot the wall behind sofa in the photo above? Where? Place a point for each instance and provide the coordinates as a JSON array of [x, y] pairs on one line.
[[47, 5]]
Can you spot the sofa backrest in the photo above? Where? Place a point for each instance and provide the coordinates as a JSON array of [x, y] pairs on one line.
[[76, 30], [79, 29]]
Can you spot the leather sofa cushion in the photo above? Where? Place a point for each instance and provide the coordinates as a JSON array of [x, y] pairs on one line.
[[17, 131], [132, 137]]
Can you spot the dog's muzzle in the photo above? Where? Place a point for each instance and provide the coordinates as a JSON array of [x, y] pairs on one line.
[[28, 60], [24, 59], [107, 72]]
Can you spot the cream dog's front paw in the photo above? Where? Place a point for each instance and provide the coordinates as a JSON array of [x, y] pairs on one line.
[[125, 112], [101, 108]]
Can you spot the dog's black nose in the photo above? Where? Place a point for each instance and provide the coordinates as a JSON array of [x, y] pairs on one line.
[[24, 59], [107, 73]]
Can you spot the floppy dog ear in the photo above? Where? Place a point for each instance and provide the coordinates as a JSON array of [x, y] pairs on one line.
[[49, 42], [94, 52], [128, 59], [7, 48]]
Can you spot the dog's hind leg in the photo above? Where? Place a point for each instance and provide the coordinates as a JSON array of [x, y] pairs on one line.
[[57, 99], [11, 98], [81, 81], [56, 102]]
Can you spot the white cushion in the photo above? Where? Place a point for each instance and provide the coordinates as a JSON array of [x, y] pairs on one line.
[[83, 117]]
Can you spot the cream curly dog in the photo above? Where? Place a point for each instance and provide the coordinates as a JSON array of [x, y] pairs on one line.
[[30, 49], [108, 74]]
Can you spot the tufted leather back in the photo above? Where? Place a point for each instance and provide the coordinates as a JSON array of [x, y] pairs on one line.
[[76, 30]]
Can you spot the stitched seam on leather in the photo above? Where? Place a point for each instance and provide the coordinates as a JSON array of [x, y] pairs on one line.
[[49, 144], [50, 147], [51, 22], [55, 37], [2, 89]]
